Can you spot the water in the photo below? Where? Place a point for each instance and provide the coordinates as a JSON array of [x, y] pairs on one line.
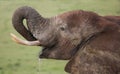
[[39, 66]]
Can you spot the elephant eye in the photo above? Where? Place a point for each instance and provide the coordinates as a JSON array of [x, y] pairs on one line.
[[62, 28]]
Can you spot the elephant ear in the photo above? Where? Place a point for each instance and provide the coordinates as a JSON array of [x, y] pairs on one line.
[[97, 56], [81, 57], [74, 64]]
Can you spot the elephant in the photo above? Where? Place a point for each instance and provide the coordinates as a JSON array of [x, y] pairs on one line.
[[89, 41], [115, 19]]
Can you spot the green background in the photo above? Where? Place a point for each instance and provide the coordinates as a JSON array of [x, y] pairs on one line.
[[18, 59]]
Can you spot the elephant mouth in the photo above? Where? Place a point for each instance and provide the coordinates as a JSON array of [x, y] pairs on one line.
[[42, 55], [46, 52]]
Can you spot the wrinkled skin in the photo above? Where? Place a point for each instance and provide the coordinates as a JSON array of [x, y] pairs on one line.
[[91, 42], [115, 19]]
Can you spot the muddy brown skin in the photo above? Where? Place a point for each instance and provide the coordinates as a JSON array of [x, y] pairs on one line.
[[91, 42], [115, 19]]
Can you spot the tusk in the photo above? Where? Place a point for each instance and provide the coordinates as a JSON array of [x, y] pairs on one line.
[[24, 42]]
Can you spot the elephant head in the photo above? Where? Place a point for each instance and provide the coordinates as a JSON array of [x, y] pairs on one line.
[[65, 36], [60, 36]]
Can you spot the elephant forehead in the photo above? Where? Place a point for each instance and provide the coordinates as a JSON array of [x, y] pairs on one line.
[[56, 21]]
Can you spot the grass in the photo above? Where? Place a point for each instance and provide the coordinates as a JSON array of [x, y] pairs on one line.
[[18, 59]]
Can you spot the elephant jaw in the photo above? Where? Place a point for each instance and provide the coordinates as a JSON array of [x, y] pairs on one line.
[[25, 42]]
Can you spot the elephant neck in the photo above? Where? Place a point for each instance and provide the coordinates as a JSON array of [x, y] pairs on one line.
[[79, 49]]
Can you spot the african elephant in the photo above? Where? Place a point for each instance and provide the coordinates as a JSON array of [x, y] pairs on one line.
[[89, 41], [115, 19]]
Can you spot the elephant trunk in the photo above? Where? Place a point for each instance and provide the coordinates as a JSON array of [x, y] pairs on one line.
[[33, 20]]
